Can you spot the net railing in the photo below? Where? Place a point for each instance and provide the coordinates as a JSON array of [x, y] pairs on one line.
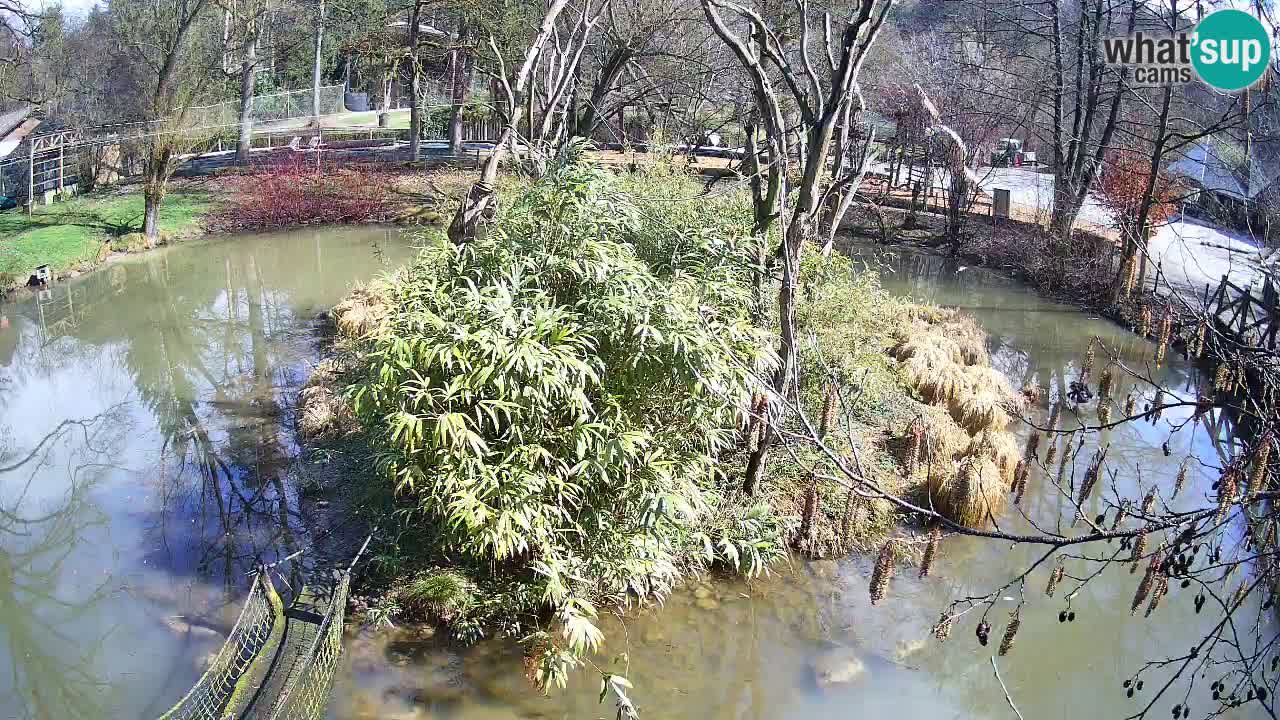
[[306, 697], [208, 698]]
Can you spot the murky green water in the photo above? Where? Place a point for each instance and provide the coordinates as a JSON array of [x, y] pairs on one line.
[[752, 650], [147, 460]]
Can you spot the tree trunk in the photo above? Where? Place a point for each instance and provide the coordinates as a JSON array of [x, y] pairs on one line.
[[388, 83], [415, 80], [315, 66], [152, 196], [248, 77], [460, 88]]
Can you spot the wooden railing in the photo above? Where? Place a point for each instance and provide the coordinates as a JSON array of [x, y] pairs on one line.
[[1251, 319]]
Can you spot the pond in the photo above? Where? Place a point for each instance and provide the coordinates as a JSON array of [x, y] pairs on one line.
[[147, 460], [723, 649]]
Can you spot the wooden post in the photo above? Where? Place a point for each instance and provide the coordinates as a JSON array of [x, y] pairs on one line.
[[31, 179], [61, 174]]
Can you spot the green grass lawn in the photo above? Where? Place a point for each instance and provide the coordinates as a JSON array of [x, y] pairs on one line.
[[66, 234]]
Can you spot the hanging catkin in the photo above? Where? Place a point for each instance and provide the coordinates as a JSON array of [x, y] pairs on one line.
[[1197, 343], [1226, 493], [1033, 447], [1144, 587], [1054, 415], [1086, 367], [930, 551], [915, 445], [1130, 404], [1130, 275], [1052, 453], [942, 628], [1181, 481], [1261, 459], [1139, 549], [1144, 321], [829, 402], [1055, 577], [1165, 333], [1106, 384], [882, 572], [1159, 590], [1010, 630]]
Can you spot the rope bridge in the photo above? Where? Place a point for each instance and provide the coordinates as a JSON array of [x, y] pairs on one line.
[[277, 663]]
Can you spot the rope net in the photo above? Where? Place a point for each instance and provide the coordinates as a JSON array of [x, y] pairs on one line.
[[209, 697], [306, 696]]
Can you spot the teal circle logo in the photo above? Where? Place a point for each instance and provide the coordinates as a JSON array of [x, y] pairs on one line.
[[1230, 50]]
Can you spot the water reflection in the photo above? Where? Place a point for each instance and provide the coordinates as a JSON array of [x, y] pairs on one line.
[[196, 354]]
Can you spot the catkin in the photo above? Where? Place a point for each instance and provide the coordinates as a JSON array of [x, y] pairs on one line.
[[1144, 321], [1166, 332], [1054, 415], [1139, 549], [1090, 480], [1160, 589], [1130, 404], [1122, 515], [1222, 378], [1033, 447], [1197, 343], [1226, 493], [915, 445], [1157, 404], [1010, 630], [1055, 577], [942, 628], [930, 551], [828, 411], [882, 573], [1052, 453], [1106, 385], [1144, 587], [1181, 481], [1086, 367], [1104, 412], [1148, 503], [1130, 275], [1261, 458]]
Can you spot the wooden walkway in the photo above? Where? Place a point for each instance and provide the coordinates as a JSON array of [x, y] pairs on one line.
[[1247, 315]]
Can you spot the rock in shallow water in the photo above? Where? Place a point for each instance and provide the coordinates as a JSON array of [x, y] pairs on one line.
[[708, 603], [838, 666]]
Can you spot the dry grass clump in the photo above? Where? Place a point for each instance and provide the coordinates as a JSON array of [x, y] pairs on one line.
[[981, 409], [1000, 448], [323, 413], [939, 383], [931, 314], [971, 494], [961, 445], [964, 331], [361, 312]]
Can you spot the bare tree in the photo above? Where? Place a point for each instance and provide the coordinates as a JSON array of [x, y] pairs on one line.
[[820, 102]]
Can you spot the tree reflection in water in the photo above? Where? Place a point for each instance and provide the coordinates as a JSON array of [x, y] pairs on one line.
[[53, 663]]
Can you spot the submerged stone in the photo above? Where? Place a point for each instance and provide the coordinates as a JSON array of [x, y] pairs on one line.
[[838, 666]]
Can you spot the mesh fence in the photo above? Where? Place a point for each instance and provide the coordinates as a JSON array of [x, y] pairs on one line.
[[209, 697], [268, 108], [307, 695]]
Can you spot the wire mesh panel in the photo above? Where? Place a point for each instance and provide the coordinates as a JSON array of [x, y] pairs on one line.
[[209, 697], [306, 697]]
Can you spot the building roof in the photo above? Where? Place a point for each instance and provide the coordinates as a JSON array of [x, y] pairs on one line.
[[1204, 164]]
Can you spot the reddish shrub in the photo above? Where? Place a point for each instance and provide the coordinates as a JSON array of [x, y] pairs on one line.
[[282, 195], [1123, 183]]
